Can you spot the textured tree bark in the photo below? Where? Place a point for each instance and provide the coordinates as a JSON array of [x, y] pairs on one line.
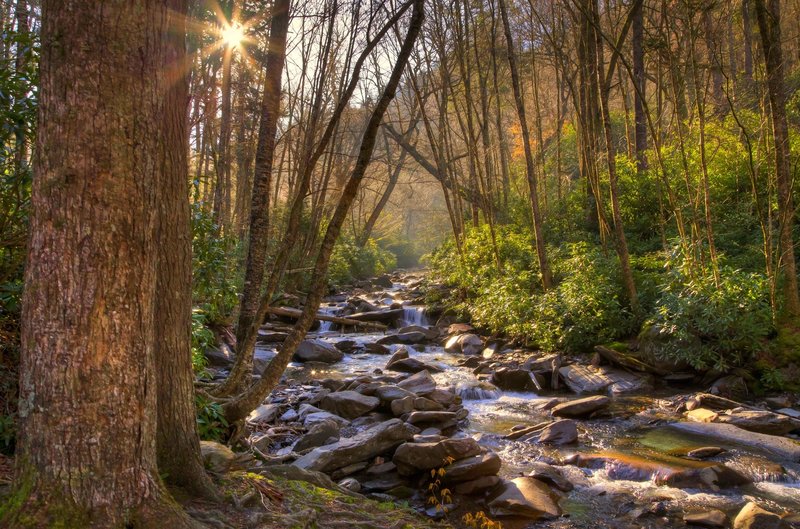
[[238, 409], [258, 240], [541, 252], [87, 442], [769, 24], [178, 444]]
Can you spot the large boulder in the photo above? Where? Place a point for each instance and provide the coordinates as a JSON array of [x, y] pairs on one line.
[[584, 379], [317, 351], [468, 344], [514, 379], [580, 407], [321, 433], [560, 432], [408, 338], [216, 457], [471, 468], [349, 404], [550, 475], [527, 497], [363, 446], [754, 517], [411, 365], [760, 421], [411, 458], [421, 383]]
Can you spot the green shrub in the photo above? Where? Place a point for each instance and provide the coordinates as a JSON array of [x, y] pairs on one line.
[[215, 273], [350, 262], [211, 423], [712, 325]]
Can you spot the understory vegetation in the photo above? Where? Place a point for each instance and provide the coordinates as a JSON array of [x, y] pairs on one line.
[[710, 314]]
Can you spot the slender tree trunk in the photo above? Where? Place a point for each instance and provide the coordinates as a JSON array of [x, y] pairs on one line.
[[769, 23], [238, 409], [259, 209], [87, 441], [178, 444], [538, 231], [639, 92], [222, 192]]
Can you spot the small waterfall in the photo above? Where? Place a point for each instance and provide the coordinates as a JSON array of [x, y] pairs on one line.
[[415, 315], [327, 326]]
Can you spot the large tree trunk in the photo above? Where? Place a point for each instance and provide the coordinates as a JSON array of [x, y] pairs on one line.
[[769, 24], [238, 409], [178, 444], [87, 442], [262, 183], [541, 252]]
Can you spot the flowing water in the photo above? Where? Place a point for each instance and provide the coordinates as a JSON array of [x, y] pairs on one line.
[[634, 441]]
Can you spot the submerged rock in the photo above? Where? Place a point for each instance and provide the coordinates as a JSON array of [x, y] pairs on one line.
[[525, 496], [779, 446]]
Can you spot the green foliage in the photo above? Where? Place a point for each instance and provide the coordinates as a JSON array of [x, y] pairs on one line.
[[215, 274], [202, 339], [711, 325], [211, 423], [349, 261]]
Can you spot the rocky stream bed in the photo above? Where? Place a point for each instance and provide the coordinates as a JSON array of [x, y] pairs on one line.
[[532, 439]]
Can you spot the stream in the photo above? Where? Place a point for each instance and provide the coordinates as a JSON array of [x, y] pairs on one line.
[[622, 453]]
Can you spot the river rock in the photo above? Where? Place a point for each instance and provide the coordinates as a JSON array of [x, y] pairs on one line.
[[514, 379], [584, 379], [216, 457], [420, 383], [714, 478], [321, 433], [527, 497], [459, 328], [390, 393], [349, 404], [376, 349], [430, 334], [402, 406], [411, 458], [264, 413], [754, 517], [350, 484], [317, 351], [363, 446], [346, 346], [316, 417], [411, 365], [400, 354], [437, 417], [477, 486], [423, 404], [470, 468], [221, 356], [779, 446], [760, 421], [468, 344], [730, 387], [409, 338], [550, 475], [710, 518], [580, 407], [383, 281], [560, 432], [381, 316]]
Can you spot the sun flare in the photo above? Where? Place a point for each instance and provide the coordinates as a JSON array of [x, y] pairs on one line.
[[232, 35]]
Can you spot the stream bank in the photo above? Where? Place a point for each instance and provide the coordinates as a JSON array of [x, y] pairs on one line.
[[533, 439]]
